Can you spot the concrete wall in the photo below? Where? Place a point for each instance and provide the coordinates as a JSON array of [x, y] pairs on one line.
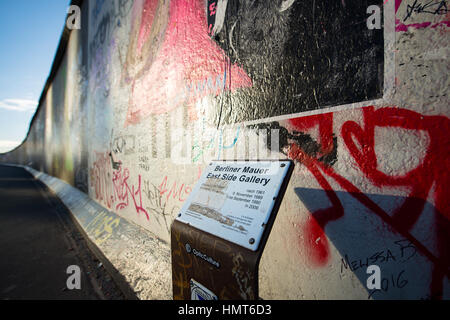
[[149, 91]]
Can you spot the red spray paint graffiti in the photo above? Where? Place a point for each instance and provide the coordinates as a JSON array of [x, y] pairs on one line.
[[430, 176], [124, 192], [176, 191], [325, 124], [183, 65], [111, 184]]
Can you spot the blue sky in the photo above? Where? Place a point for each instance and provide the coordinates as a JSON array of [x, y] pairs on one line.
[[29, 35]]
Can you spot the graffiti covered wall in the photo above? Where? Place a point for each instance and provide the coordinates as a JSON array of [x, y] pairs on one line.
[[149, 91]]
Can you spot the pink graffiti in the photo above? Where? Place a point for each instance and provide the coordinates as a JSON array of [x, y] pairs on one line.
[[404, 27], [184, 66], [124, 192], [176, 191], [112, 187]]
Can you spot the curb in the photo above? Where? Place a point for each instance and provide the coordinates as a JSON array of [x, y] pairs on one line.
[[138, 262]]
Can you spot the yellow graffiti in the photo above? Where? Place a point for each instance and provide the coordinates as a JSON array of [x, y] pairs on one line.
[[102, 227]]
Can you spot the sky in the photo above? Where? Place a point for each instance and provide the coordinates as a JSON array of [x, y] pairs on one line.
[[29, 35]]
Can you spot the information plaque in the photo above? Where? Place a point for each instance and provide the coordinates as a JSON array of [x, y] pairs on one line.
[[233, 200], [219, 236]]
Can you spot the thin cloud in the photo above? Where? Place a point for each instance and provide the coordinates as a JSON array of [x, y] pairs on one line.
[[8, 145], [18, 104]]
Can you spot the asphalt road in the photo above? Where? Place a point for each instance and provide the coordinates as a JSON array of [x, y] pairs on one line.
[[38, 242]]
